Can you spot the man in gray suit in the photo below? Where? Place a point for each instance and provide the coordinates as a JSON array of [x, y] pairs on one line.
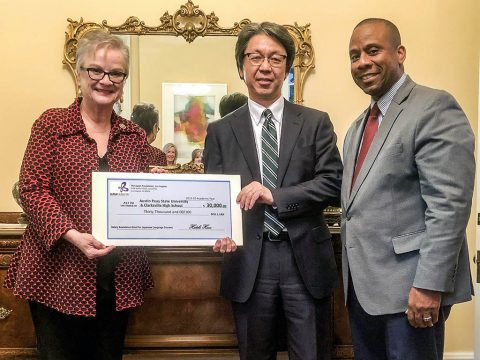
[[406, 198], [290, 170]]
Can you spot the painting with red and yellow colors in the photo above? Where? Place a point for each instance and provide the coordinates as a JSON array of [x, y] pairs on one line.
[[187, 109], [192, 117]]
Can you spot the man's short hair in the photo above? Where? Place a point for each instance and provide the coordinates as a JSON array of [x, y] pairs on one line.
[[231, 102], [395, 37], [275, 31]]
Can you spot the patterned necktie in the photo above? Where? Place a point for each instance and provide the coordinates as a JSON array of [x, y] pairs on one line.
[[369, 132], [270, 168]]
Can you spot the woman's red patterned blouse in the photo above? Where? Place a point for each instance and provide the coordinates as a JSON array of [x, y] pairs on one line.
[[156, 156], [55, 189]]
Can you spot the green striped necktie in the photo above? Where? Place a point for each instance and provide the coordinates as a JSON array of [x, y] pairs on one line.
[[270, 168]]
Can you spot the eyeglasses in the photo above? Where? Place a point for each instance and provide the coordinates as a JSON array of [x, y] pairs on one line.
[[275, 60], [97, 74]]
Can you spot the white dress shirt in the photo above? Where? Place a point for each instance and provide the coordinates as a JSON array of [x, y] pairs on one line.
[[256, 111]]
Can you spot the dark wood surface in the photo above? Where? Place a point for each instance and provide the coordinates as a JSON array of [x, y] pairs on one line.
[[183, 317]]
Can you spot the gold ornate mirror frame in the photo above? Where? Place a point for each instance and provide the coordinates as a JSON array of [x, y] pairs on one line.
[[190, 22]]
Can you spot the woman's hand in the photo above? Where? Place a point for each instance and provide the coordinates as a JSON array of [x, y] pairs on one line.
[[91, 247], [224, 245]]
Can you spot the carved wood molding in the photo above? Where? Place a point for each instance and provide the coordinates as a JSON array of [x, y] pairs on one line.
[[168, 255], [169, 354], [5, 260], [343, 352], [206, 341], [190, 22], [10, 244], [9, 217], [11, 230], [181, 341], [20, 354], [192, 168], [4, 313]]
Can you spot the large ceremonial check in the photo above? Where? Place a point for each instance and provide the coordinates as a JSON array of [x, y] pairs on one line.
[[131, 209]]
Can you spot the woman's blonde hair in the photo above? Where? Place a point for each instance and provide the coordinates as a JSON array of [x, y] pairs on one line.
[[167, 146], [99, 39], [196, 152]]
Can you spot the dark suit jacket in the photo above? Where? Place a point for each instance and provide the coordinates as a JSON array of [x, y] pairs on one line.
[[309, 179]]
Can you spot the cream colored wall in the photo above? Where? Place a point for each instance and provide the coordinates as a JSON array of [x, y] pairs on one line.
[[441, 36], [169, 60]]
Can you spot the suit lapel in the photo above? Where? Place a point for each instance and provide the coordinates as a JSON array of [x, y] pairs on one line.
[[389, 119], [352, 151], [242, 128], [291, 125]]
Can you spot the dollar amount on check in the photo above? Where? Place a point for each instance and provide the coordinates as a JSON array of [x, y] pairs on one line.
[[165, 209]]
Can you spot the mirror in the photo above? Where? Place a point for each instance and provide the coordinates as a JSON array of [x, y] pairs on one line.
[[193, 51]]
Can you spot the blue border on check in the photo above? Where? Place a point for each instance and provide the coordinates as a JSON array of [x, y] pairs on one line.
[[121, 179]]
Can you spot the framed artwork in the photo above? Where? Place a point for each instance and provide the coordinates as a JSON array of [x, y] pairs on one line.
[[187, 108]]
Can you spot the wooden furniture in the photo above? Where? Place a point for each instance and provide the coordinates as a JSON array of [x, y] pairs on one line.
[[182, 316]]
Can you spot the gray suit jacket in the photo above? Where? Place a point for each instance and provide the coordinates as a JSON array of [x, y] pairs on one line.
[[404, 220], [309, 179]]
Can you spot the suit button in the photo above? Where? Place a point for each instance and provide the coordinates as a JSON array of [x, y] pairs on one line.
[[348, 217], [258, 237]]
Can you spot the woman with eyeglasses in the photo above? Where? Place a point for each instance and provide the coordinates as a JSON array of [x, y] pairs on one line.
[[146, 116], [79, 290]]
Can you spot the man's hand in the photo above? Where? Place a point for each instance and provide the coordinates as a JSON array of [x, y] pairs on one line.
[[88, 245], [225, 245], [423, 307], [253, 193]]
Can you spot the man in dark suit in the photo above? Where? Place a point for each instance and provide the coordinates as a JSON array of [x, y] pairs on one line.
[[406, 201], [290, 171]]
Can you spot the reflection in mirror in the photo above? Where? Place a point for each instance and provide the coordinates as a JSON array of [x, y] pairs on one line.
[[158, 61], [192, 50], [162, 60]]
